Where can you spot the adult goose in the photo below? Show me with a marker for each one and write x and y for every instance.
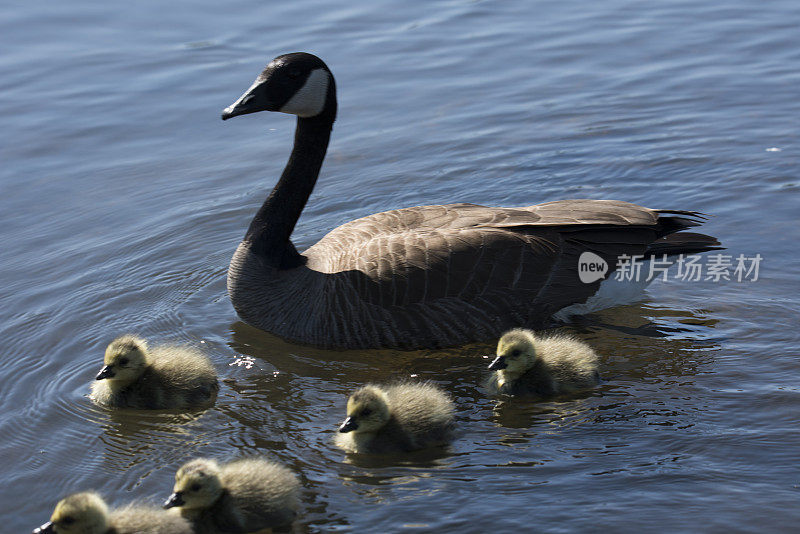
(426, 276)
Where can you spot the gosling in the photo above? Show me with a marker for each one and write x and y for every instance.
(135, 376)
(245, 495)
(399, 418)
(87, 513)
(542, 366)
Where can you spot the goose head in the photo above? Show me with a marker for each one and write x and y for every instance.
(367, 411)
(80, 513)
(298, 83)
(125, 360)
(516, 353)
(197, 485)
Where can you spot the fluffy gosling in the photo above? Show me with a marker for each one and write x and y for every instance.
(398, 418)
(87, 513)
(135, 376)
(245, 495)
(542, 366)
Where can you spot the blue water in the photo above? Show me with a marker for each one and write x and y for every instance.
(124, 195)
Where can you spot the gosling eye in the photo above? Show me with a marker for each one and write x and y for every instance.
(123, 361)
(195, 487)
(68, 520)
(366, 412)
(516, 353)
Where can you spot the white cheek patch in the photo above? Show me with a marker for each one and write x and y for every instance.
(310, 99)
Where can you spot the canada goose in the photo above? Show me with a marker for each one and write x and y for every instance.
(398, 418)
(531, 365)
(426, 276)
(245, 495)
(166, 376)
(87, 513)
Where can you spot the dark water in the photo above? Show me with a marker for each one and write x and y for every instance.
(124, 196)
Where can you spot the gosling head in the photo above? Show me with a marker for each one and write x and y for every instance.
(125, 360)
(197, 485)
(516, 353)
(298, 83)
(80, 513)
(367, 411)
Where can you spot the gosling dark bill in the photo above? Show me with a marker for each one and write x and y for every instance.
(348, 426)
(47, 528)
(105, 372)
(174, 500)
(498, 363)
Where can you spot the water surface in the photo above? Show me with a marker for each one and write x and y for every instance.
(124, 196)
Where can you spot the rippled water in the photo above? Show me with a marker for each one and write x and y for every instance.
(124, 196)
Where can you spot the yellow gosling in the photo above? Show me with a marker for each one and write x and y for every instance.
(245, 495)
(530, 365)
(402, 417)
(87, 513)
(167, 376)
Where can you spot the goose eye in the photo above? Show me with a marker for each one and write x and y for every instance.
(366, 413)
(293, 74)
(124, 361)
(195, 487)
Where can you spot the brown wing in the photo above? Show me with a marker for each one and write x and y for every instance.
(466, 271)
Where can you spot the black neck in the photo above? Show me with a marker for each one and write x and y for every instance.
(273, 224)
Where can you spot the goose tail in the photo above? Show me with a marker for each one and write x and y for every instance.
(683, 243)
